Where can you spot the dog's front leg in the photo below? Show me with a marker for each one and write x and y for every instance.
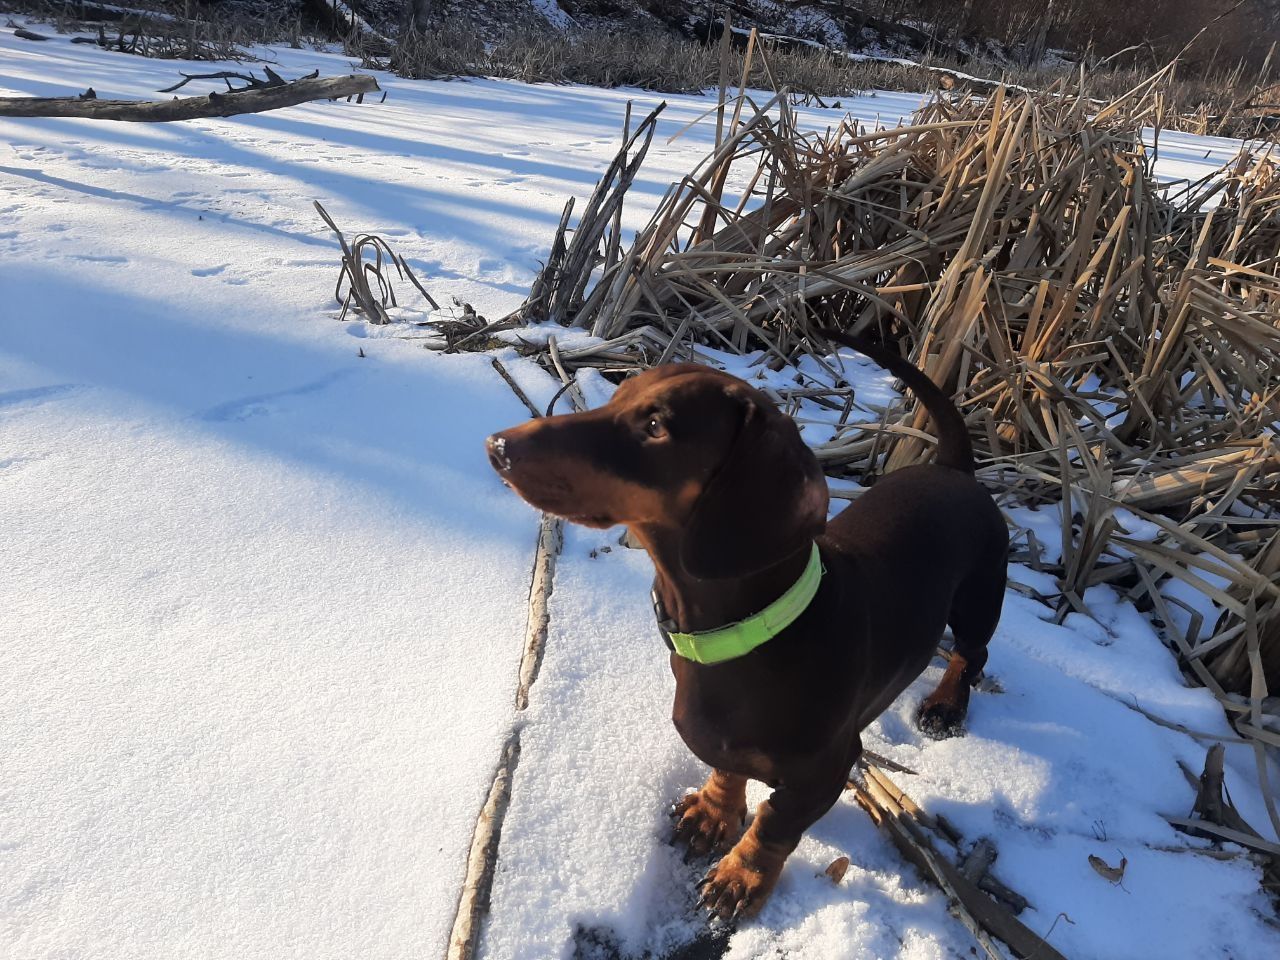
(710, 819)
(741, 882)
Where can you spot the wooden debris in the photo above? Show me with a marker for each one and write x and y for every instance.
(1215, 817)
(234, 103)
(482, 857)
(910, 829)
(482, 860)
(978, 860)
(250, 82)
(550, 541)
(1015, 901)
(515, 387)
(1211, 804)
(1244, 838)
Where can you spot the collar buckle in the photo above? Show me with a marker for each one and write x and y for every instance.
(666, 626)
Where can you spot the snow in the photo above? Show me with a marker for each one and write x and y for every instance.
(264, 599)
(232, 623)
(553, 14)
(1184, 158)
(1050, 765)
(354, 20)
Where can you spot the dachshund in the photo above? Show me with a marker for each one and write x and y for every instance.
(794, 632)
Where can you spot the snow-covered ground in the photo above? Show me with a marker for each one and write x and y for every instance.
(262, 600)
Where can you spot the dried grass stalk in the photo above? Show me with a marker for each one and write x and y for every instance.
(1112, 343)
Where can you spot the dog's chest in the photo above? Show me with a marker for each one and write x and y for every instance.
(723, 754)
(725, 739)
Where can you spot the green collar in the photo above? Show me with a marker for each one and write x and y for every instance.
(739, 639)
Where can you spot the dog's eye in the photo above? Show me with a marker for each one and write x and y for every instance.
(655, 428)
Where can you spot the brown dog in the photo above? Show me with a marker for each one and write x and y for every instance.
(717, 485)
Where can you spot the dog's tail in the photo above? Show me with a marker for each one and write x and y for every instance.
(954, 448)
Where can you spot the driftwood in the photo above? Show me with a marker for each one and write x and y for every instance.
(482, 857)
(482, 860)
(253, 100)
(910, 827)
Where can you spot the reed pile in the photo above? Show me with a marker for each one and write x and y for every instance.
(1113, 343)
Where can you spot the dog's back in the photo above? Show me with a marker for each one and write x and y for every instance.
(922, 548)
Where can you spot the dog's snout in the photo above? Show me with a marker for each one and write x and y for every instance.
(497, 447)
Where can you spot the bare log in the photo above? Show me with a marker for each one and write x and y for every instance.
(191, 108)
(482, 861)
(482, 857)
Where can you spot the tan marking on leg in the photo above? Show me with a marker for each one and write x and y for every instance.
(741, 882)
(709, 819)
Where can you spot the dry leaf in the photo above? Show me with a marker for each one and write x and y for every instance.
(837, 869)
(1113, 874)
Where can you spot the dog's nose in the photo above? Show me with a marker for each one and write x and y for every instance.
(497, 447)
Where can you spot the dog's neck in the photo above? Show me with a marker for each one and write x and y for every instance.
(698, 605)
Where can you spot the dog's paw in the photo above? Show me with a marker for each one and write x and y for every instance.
(940, 720)
(705, 826)
(736, 887)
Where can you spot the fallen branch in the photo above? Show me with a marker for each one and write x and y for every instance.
(482, 856)
(482, 860)
(252, 100)
(550, 542)
(251, 82)
(985, 918)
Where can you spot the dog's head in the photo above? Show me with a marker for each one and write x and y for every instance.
(682, 448)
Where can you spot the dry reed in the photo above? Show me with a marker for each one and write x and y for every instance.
(1113, 343)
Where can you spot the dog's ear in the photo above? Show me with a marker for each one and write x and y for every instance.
(767, 499)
